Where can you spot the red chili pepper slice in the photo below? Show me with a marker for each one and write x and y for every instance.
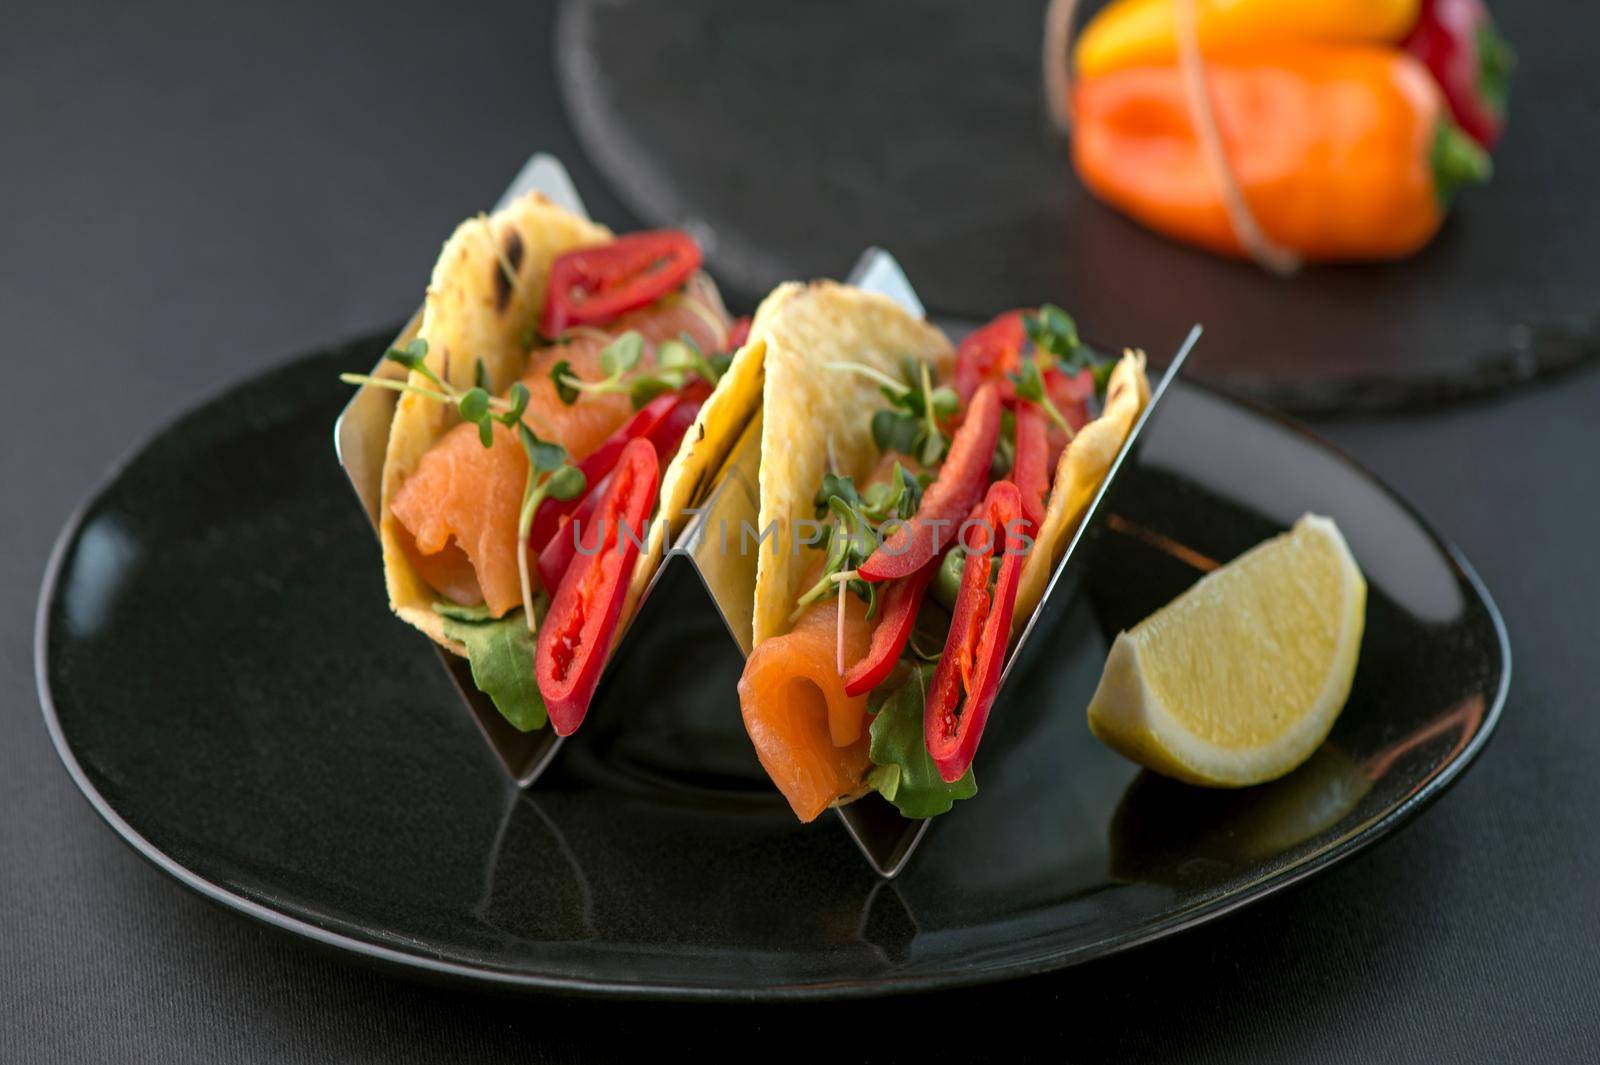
(595, 285)
(647, 421)
(949, 498)
(739, 333)
(990, 354)
(975, 649)
(1030, 471)
(557, 554)
(576, 635)
(901, 601)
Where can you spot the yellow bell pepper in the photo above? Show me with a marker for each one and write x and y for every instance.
(1130, 33)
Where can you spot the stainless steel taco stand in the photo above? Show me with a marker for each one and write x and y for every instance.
(725, 574)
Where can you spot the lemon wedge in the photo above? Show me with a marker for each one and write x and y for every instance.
(1239, 679)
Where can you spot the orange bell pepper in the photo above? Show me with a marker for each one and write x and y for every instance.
(1129, 33)
(1341, 152)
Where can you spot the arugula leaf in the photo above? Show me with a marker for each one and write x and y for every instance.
(905, 773)
(501, 652)
(647, 387)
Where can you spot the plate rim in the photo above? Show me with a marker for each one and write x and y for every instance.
(495, 978)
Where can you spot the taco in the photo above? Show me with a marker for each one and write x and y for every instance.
(562, 380)
(914, 500)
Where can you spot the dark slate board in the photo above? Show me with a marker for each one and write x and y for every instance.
(795, 135)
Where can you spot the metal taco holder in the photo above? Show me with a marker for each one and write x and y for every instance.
(885, 837)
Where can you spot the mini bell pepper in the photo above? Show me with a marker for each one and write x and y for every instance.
(1472, 63)
(917, 542)
(1341, 152)
(968, 675)
(1131, 33)
(577, 633)
(595, 285)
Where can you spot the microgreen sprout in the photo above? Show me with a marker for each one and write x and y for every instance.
(910, 424)
(1030, 386)
(676, 361)
(474, 404)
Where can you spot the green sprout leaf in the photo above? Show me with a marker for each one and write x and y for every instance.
(567, 482)
(560, 375)
(519, 405)
(647, 387)
(834, 486)
(542, 454)
(894, 430)
(622, 354)
(1055, 334)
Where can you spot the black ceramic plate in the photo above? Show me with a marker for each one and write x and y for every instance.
(223, 681)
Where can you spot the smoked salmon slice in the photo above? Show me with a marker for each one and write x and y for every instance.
(811, 737)
(458, 512)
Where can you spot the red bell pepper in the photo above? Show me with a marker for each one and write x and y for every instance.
(916, 543)
(595, 285)
(739, 333)
(1456, 40)
(1029, 469)
(577, 632)
(991, 354)
(975, 649)
(655, 420)
(901, 601)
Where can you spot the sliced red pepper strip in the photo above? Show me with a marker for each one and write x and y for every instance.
(739, 333)
(980, 628)
(647, 421)
(563, 546)
(557, 555)
(991, 354)
(595, 285)
(901, 601)
(949, 498)
(576, 635)
(1030, 471)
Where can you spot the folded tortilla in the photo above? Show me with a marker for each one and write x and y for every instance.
(474, 312)
(813, 416)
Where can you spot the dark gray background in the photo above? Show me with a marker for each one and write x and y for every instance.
(194, 194)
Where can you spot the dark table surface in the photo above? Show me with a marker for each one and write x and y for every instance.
(193, 195)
